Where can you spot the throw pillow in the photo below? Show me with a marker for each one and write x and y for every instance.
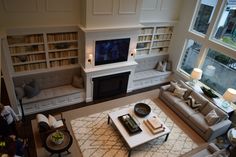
(31, 89)
(169, 66)
(161, 66)
(212, 117)
(51, 120)
(191, 102)
(19, 92)
(179, 92)
(77, 82)
(43, 123)
(172, 86)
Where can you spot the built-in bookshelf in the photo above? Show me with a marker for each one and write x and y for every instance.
(154, 40)
(62, 49)
(43, 51)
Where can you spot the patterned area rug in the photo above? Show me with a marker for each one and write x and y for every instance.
(98, 139)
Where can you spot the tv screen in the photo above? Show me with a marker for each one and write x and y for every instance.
(111, 51)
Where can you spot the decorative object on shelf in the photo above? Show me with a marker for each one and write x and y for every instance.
(209, 92)
(57, 137)
(142, 109)
(62, 46)
(130, 125)
(229, 96)
(22, 58)
(196, 75)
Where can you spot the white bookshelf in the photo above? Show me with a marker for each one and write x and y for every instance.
(31, 53)
(154, 40)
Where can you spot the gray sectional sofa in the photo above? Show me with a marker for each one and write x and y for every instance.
(196, 119)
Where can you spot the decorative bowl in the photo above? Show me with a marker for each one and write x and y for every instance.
(142, 109)
(57, 137)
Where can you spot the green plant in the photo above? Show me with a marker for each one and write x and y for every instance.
(57, 136)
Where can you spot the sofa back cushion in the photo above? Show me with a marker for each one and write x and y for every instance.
(148, 63)
(48, 79)
(210, 106)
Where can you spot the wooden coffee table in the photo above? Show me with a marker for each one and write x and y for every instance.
(140, 138)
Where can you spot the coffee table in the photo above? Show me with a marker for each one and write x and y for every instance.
(138, 139)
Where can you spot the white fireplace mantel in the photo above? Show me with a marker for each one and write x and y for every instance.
(104, 70)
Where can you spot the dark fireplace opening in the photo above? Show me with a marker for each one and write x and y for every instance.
(110, 85)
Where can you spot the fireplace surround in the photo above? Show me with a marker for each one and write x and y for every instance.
(110, 85)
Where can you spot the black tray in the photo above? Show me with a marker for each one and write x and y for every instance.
(130, 125)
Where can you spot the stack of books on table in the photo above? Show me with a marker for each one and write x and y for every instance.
(154, 125)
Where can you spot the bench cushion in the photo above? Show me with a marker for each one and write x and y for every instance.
(53, 93)
(148, 74)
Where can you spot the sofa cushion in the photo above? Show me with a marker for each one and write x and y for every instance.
(53, 93)
(198, 120)
(184, 109)
(170, 97)
(212, 117)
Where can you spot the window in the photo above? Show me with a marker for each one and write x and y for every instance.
(226, 29)
(219, 71)
(204, 15)
(189, 58)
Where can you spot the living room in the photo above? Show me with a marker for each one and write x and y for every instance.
(64, 52)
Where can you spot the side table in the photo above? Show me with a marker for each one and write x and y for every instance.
(59, 148)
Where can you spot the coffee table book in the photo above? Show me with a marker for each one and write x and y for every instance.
(154, 122)
(154, 131)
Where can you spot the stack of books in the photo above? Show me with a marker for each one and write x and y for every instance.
(154, 125)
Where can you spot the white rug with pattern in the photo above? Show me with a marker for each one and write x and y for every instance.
(98, 139)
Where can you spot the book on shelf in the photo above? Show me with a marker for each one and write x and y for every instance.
(154, 131)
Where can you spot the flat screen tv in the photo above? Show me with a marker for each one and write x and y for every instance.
(111, 51)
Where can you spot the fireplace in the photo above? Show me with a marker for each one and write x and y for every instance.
(110, 85)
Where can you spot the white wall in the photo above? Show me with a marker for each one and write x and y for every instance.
(27, 13)
(160, 10)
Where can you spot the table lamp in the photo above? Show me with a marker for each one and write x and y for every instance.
(196, 75)
(229, 96)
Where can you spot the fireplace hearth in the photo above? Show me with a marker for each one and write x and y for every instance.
(110, 85)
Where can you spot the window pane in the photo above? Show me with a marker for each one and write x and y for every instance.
(219, 71)
(190, 56)
(204, 15)
(226, 29)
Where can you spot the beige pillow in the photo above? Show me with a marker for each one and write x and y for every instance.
(161, 66)
(212, 117)
(78, 82)
(179, 92)
(52, 120)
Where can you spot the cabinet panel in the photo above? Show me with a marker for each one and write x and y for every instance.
(127, 6)
(100, 9)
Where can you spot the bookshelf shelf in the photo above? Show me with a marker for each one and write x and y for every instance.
(31, 53)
